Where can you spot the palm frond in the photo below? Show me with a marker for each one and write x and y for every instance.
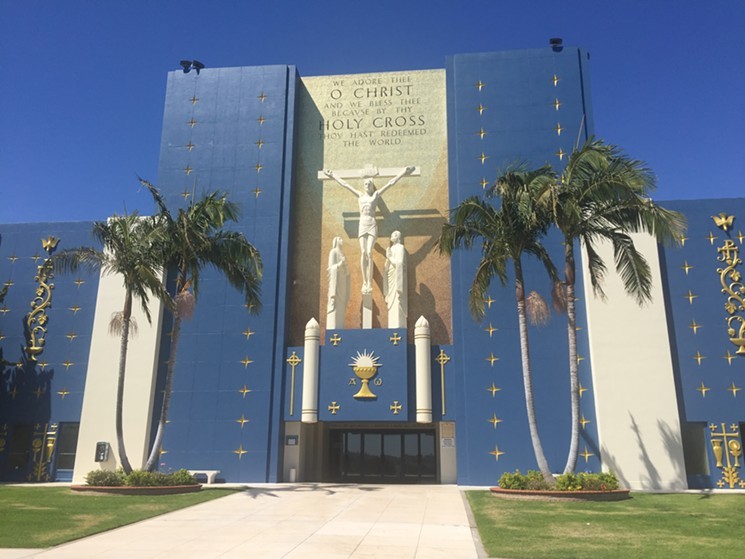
(633, 268)
(116, 324)
(537, 309)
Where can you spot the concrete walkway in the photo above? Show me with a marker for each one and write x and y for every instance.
(305, 521)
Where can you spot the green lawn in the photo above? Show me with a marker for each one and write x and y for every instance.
(46, 516)
(647, 526)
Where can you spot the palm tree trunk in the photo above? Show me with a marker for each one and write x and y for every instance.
(569, 279)
(154, 458)
(527, 377)
(126, 317)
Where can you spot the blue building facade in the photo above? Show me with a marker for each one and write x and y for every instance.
(274, 395)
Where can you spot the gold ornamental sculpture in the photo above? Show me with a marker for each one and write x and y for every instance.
(732, 286)
(727, 449)
(365, 367)
(37, 318)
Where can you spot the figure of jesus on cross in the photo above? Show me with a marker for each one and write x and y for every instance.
(368, 202)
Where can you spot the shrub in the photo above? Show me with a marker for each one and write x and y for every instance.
(182, 477)
(604, 481)
(105, 478)
(533, 480)
(141, 478)
(513, 481)
(568, 482)
(160, 478)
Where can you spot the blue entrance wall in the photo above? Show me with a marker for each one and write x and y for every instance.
(230, 129)
(709, 373)
(505, 108)
(50, 390)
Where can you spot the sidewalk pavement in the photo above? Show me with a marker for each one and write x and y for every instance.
(305, 520)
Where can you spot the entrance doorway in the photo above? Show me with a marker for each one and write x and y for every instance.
(385, 456)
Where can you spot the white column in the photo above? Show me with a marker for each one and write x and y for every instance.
(309, 410)
(633, 375)
(422, 345)
(97, 419)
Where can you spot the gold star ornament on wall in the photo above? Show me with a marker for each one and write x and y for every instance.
(496, 453)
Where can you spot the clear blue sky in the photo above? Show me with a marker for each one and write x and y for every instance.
(82, 83)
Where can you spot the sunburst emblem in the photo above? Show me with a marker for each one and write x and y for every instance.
(365, 366)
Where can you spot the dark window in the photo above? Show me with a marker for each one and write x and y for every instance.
(67, 443)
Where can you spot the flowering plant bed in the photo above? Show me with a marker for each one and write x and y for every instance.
(147, 490)
(538, 494)
(139, 482)
(584, 486)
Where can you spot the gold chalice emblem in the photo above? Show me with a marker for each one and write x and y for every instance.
(365, 366)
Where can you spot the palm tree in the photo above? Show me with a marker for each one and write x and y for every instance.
(129, 244)
(505, 234)
(603, 195)
(192, 240)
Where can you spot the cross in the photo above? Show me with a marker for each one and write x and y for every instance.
(729, 357)
(245, 390)
(64, 392)
(395, 407)
(727, 250)
(239, 451)
(333, 408)
(368, 171)
(395, 338)
(493, 389)
(734, 389)
(242, 420)
(294, 361)
(494, 420)
(442, 358)
(584, 421)
(335, 339)
(703, 389)
(586, 455)
(246, 362)
(496, 453)
(491, 359)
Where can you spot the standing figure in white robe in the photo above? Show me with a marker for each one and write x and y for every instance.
(395, 283)
(338, 286)
(368, 230)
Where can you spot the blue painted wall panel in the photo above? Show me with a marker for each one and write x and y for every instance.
(49, 390)
(229, 129)
(502, 110)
